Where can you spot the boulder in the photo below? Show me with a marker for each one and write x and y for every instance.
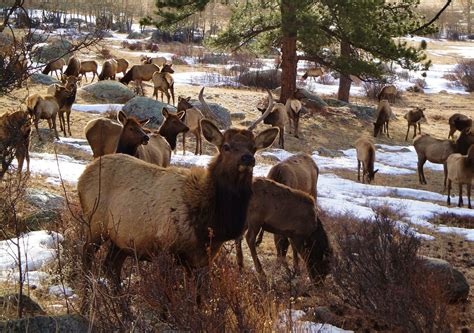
(109, 92)
(58, 48)
(44, 199)
(360, 111)
(136, 35)
(311, 102)
(47, 324)
(452, 280)
(329, 152)
(237, 115)
(44, 79)
(147, 108)
(9, 306)
(219, 113)
(267, 79)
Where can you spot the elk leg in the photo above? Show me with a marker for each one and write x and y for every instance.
(20, 157)
(281, 244)
(408, 130)
(49, 124)
(168, 96)
(449, 192)
(460, 203)
(282, 138)
(184, 143)
(68, 115)
(445, 169)
(358, 170)
(155, 93)
(113, 265)
(55, 129)
(469, 195)
(63, 121)
(250, 238)
(419, 128)
(88, 253)
(421, 174)
(296, 258)
(37, 130)
(388, 134)
(196, 151)
(296, 122)
(238, 252)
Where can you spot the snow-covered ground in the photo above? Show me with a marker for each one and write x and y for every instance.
(299, 325)
(96, 108)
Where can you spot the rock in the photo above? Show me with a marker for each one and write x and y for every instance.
(47, 324)
(237, 115)
(329, 152)
(269, 78)
(405, 150)
(323, 314)
(58, 48)
(43, 79)
(106, 34)
(44, 199)
(109, 92)
(361, 112)
(38, 219)
(9, 305)
(219, 113)
(147, 108)
(136, 35)
(452, 280)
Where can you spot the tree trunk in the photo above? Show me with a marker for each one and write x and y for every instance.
(345, 80)
(288, 49)
(468, 16)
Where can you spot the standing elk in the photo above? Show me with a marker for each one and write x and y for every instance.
(458, 122)
(159, 61)
(415, 117)
(384, 113)
(54, 66)
(313, 73)
(366, 156)
(109, 70)
(89, 66)
(73, 67)
(465, 140)
(388, 92)
(71, 85)
(293, 110)
(15, 129)
(122, 65)
(172, 126)
(461, 170)
(277, 118)
(163, 81)
(192, 119)
(143, 209)
(140, 73)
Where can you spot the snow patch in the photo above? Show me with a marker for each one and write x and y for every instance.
(96, 108)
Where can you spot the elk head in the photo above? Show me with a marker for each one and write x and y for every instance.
(167, 68)
(132, 135)
(183, 103)
(172, 126)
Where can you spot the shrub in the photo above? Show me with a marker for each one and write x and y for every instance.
(373, 88)
(214, 59)
(464, 74)
(177, 60)
(266, 79)
(105, 53)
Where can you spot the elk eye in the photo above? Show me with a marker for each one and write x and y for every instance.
(226, 147)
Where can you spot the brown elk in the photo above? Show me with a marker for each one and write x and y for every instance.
(89, 66)
(313, 72)
(54, 66)
(163, 81)
(172, 126)
(73, 67)
(159, 61)
(388, 92)
(140, 73)
(366, 156)
(293, 110)
(109, 70)
(192, 119)
(384, 113)
(465, 140)
(122, 65)
(189, 213)
(15, 129)
(289, 213)
(458, 122)
(415, 117)
(71, 85)
(461, 170)
(434, 150)
(277, 118)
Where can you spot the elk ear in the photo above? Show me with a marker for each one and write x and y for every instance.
(165, 112)
(211, 132)
(144, 122)
(265, 139)
(181, 114)
(188, 99)
(122, 117)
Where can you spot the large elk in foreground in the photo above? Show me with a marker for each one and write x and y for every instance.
(163, 81)
(15, 129)
(384, 112)
(461, 170)
(143, 209)
(415, 117)
(366, 157)
(458, 122)
(290, 213)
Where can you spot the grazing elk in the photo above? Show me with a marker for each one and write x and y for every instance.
(122, 65)
(314, 73)
(89, 66)
(366, 156)
(293, 110)
(192, 119)
(109, 70)
(15, 129)
(289, 213)
(189, 213)
(159, 61)
(461, 170)
(434, 150)
(277, 118)
(458, 122)
(54, 66)
(163, 81)
(140, 73)
(415, 117)
(388, 92)
(384, 112)
(73, 67)
(71, 85)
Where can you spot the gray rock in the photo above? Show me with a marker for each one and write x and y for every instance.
(220, 113)
(269, 78)
(43, 79)
(44, 199)
(147, 108)
(58, 48)
(452, 280)
(9, 305)
(137, 35)
(329, 152)
(109, 91)
(237, 115)
(405, 150)
(106, 34)
(361, 112)
(47, 324)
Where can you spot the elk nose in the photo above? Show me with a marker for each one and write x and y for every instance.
(186, 129)
(146, 138)
(248, 160)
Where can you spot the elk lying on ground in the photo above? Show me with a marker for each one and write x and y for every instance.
(461, 171)
(458, 122)
(277, 118)
(140, 73)
(71, 85)
(415, 117)
(293, 110)
(109, 70)
(122, 65)
(15, 129)
(313, 72)
(192, 119)
(73, 67)
(89, 66)
(384, 112)
(289, 213)
(299, 172)
(163, 81)
(366, 156)
(388, 92)
(159, 61)
(434, 150)
(47, 107)
(190, 213)
(54, 66)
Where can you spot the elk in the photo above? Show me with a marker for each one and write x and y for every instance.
(163, 81)
(73, 67)
(89, 66)
(465, 140)
(366, 156)
(313, 72)
(277, 118)
(192, 119)
(122, 65)
(71, 85)
(415, 117)
(387, 92)
(384, 112)
(54, 66)
(172, 126)
(142, 208)
(109, 70)
(291, 214)
(15, 129)
(461, 170)
(159, 61)
(140, 73)
(293, 110)
(458, 122)
(434, 150)
(47, 107)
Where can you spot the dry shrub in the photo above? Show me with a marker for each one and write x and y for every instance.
(453, 220)
(326, 79)
(379, 273)
(265, 79)
(420, 83)
(105, 53)
(177, 60)
(464, 74)
(373, 88)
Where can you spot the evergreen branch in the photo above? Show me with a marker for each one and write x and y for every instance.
(426, 25)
